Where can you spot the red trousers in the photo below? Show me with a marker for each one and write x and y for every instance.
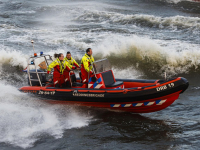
(58, 79)
(67, 75)
(84, 75)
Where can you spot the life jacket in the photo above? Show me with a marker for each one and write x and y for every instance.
(72, 62)
(60, 66)
(86, 62)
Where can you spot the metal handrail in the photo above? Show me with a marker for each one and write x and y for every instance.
(28, 68)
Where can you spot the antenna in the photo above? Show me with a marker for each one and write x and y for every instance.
(33, 45)
(35, 54)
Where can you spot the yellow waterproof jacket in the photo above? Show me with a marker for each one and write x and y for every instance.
(86, 61)
(72, 62)
(59, 65)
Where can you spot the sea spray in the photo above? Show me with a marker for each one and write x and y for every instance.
(24, 119)
(147, 55)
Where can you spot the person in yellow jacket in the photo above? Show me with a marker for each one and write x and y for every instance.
(60, 67)
(87, 65)
(72, 62)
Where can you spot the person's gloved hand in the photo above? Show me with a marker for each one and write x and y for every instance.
(48, 72)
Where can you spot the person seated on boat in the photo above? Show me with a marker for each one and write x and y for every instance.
(87, 65)
(72, 61)
(59, 66)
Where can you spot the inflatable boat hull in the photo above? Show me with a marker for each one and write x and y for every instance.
(154, 96)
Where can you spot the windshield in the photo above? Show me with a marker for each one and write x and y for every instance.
(102, 65)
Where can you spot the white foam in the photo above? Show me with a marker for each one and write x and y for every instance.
(12, 57)
(178, 1)
(174, 1)
(128, 73)
(173, 56)
(23, 120)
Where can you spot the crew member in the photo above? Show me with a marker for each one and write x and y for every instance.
(59, 66)
(87, 65)
(72, 64)
(71, 61)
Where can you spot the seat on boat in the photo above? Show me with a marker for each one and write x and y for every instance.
(117, 83)
(73, 81)
(109, 79)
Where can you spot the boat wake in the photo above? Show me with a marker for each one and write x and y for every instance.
(24, 120)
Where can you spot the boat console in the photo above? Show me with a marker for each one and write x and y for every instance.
(105, 80)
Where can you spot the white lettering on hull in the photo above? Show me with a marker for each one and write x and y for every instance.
(164, 87)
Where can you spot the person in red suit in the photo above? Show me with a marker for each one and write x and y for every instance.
(87, 65)
(71, 61)
(72, 64)
(59, 65)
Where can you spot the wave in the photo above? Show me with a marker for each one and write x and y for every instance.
(12, 57)
(178, 1)
(128, 73)
(24, 120)
(148, 56)
(191, 6)
(174, 22)
(12, 63)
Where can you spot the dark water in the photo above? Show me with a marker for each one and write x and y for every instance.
(141, 39)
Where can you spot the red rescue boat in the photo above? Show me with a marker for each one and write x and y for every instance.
(104, 91)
